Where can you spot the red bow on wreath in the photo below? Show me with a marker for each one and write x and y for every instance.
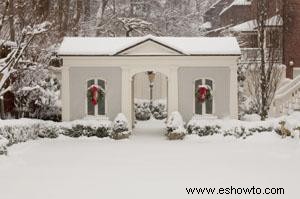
(94, 91)
(203, 93)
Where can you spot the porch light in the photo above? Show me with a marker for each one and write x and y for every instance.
(291, 63)
(151, 77)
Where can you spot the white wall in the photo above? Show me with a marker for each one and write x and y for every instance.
(132, 65)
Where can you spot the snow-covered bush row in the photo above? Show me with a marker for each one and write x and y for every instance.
(175, 127)
(88, 128)
(120, 127)
(143, 111)
(285, 126)
(22, 130)
(16, 131)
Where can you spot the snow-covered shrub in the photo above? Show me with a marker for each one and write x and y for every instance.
(175, 127)
(283, 131)
(297, 132)
(203, 130)
(16, 131)
(120, 127)
(227, 127)
(89, 128)
(142, 110)
(251, 117)
(3, 144)
(159, 109)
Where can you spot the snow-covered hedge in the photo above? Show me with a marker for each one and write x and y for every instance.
(175, 127)
(143, 112)
(88, 128)
(16, 131)
(120, 127)
(22, 130)
(243, 129)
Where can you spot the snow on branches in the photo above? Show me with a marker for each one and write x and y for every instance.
(8, 66)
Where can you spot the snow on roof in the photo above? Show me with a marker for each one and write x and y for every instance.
(236, 3)
(252, 24)
(184, 45)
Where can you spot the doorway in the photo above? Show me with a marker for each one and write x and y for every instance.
(149, 99)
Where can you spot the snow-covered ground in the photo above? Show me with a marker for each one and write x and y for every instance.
(149, 166)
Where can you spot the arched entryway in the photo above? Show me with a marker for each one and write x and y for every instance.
(149, 99)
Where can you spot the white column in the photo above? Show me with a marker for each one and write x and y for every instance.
(126, 94)
(173, 91)
(233, 92)
(66, 93)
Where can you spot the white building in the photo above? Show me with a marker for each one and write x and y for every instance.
(112, 63)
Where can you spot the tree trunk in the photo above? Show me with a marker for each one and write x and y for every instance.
(65, 26)
(5, 10)
(2, 108)
(87, 9)
(11, 21)
(262, 10)
(20, 13)
(79, 8)
(60, 15)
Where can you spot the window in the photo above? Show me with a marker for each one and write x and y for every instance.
(249, 40)
(205, 108)
(99, 108)
(273, 38)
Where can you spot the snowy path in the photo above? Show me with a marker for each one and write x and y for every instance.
(153, 130)
(148, 166)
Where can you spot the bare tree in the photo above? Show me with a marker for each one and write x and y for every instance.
(266, 71)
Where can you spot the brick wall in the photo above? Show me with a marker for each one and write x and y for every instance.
(291, 46)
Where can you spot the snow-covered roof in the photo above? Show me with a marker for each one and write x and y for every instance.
(236, 3)
(109, 46)
(252, 24)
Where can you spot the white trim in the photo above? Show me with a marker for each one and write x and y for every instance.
(96, 107)
(65, 93)
(233, 97)
(204, 104)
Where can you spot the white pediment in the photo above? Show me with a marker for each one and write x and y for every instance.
(149, 47)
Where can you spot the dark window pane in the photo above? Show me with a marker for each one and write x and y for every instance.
(198, 105)
(209, 103)
(101, 103)
(90, 106)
